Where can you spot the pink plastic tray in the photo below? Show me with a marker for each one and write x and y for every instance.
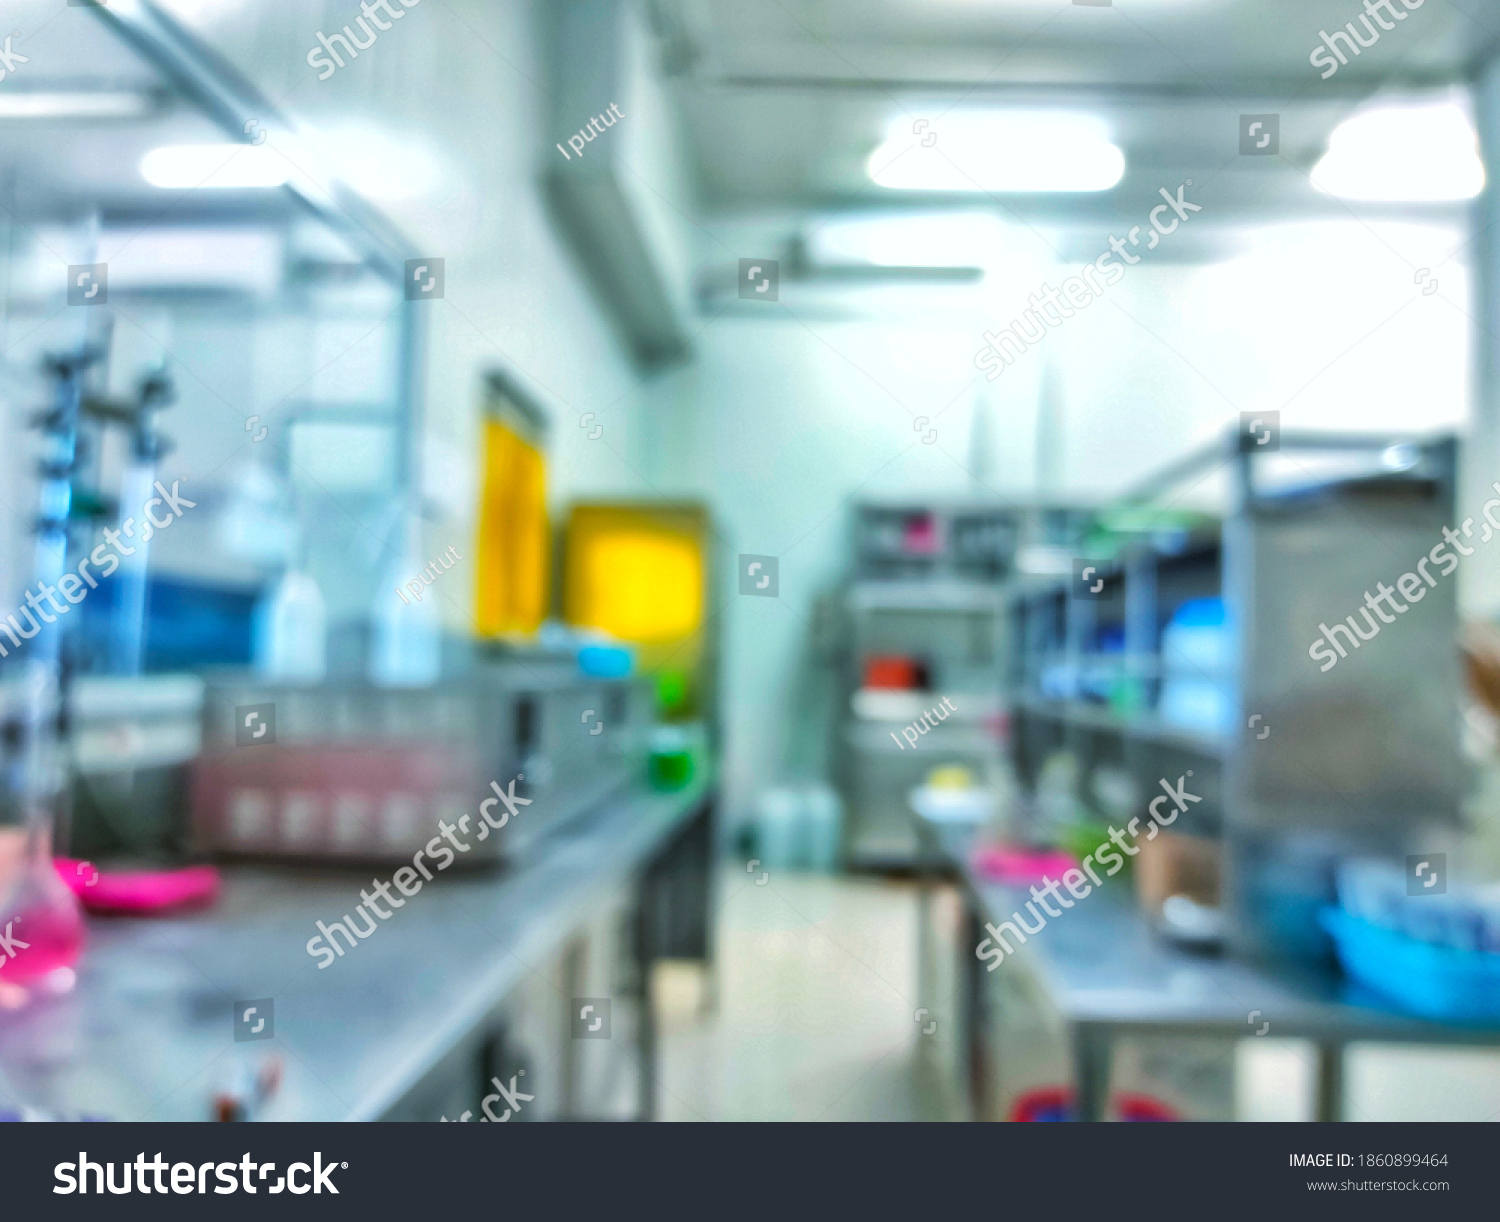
(1010, 865)
(142, 891)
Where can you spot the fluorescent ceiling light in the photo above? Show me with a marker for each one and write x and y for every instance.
(1414, 154)
(375, 165)
(906, 239)
(193, 10)
(74, 105)
(185, 166)
(998, 151)
(997, 7)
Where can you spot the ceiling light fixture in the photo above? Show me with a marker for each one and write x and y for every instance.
(39, 104)
(375, 164)
(956, 238)
(1406, 154)
(194, 10)
(217, 166)
(998, 151)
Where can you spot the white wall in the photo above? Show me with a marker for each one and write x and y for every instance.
(811, 402)
(463, 88)
(791, 423)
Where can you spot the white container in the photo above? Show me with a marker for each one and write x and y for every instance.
(1203, 705)
(776, 829)
(407, 647)
(822, 828)
(291, 632)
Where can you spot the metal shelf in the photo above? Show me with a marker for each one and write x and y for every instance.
(899, 707)
(872, 738)
(1144, 727)
(929, 595)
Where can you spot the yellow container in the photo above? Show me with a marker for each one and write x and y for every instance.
(639, 572)
(511, 552)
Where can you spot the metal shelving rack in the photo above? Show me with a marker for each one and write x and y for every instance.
(1362, 759)
(925, 582)
(1059, 676)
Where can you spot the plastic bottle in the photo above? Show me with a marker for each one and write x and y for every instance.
(776, 830)
(291, 631)
(407, 649)
(822, 813)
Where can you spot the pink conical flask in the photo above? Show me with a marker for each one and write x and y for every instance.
(41, 922)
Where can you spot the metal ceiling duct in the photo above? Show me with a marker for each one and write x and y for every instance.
(608, 205)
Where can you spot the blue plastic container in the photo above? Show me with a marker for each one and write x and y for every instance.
(1434, 981)
(605, 661)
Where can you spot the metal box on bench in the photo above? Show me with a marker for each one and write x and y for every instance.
(359, 773)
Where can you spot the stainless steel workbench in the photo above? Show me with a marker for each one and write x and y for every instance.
(147, 1033)
(1106, 973)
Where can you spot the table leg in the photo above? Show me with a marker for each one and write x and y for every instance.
(926, 969)
(1328, 1103)
(1091, 1070)
(971, 972)
(675, 920)
(646, 1050)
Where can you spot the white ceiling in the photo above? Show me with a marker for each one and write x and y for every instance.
(785, 99)
(53, 167)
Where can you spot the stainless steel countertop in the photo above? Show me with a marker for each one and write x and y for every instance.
(1100, 963)
(147, 1034)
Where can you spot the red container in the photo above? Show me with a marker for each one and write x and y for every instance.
(893, 671)
(1054, 1103)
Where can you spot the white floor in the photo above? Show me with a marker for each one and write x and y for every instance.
(815, 1019)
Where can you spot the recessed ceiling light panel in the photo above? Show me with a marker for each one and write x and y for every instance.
(998, 151)
(1409, 154)
(215, 166)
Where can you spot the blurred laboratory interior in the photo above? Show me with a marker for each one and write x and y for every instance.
(645, 559)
